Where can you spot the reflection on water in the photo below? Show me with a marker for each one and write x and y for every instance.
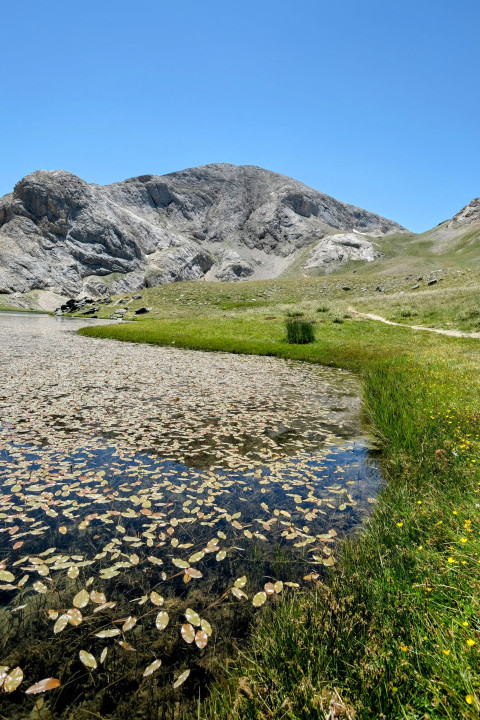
(150, 500)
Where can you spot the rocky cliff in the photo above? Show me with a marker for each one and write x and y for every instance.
(216, 222)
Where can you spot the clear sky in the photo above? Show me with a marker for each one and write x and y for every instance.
(376, 103)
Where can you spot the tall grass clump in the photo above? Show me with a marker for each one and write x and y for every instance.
(299, 332)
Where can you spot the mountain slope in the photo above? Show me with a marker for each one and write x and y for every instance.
(222, 222)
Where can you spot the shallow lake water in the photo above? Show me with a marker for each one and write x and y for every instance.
(152, 500)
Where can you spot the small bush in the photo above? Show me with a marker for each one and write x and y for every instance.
(299, 332)
(295, 314)
(323, 309)
(338, 320)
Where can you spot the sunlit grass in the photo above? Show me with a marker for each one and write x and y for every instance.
(396, 632)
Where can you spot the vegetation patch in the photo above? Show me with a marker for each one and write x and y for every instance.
(299, 332)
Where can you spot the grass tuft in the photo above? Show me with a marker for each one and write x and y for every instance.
(299, 332)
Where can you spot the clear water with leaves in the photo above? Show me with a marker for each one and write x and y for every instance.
(151, 499)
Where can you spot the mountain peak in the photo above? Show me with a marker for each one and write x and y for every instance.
(214, 222)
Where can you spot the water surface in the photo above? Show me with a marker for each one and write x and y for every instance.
(208, 479)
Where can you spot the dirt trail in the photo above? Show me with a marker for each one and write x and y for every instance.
(451, 333)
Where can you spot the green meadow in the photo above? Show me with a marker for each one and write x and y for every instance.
(394, 631)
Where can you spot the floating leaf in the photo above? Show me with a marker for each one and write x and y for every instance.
(239, 593)
(161, 620)
(126, 645)
(73, 572)
(259, 598)
(221, 555)
(188, 633)
(181, 679)
(81, 599)
(108, 573)
(74, 617)
(87, 659)
(328, 562)
(129, 623)
(155, 598)
(278, 586)
(241, 582)
(193, 573)
(13, 680)
(269, 588)
(105, 606)
(196, 557)
(192, 616)
(178, 562)
(108, 633)
(151, 668)
(103, 655)
(201, 639)
(61, 624)
(6, 576)
(206, 627)
(43, 686)
(291, 584)
(97, 597)
(155, 560)
(39, 587)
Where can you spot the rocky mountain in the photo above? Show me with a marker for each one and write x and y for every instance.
(459, 235)
(216, 222)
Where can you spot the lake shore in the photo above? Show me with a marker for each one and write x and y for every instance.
(396, 633)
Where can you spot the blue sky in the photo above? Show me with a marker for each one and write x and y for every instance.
(373, 102)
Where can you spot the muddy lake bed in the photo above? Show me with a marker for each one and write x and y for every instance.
(152, 500)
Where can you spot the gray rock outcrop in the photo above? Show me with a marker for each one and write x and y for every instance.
(216, 222)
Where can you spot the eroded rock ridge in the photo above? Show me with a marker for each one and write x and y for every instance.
(216, 222)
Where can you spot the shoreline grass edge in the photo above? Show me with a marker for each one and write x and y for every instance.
(395, 631)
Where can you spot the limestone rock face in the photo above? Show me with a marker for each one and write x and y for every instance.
(469, 215)
(218, 222)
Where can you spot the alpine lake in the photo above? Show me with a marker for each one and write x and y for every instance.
(152, 501)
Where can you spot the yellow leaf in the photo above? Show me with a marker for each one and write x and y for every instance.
(196, 557)
(129, 623)
(259, 598)
(206, 627)
(178, 562)
(87, 659)
(239, 594)
(181, 679)
(162, 620)
(81, 599)
(13, 680)
(61, 624)
(151, 668)
(155, 598)
(108, 633)
(74, 617)
(192, 616)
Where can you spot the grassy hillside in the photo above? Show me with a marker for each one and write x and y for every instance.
(394, 631)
